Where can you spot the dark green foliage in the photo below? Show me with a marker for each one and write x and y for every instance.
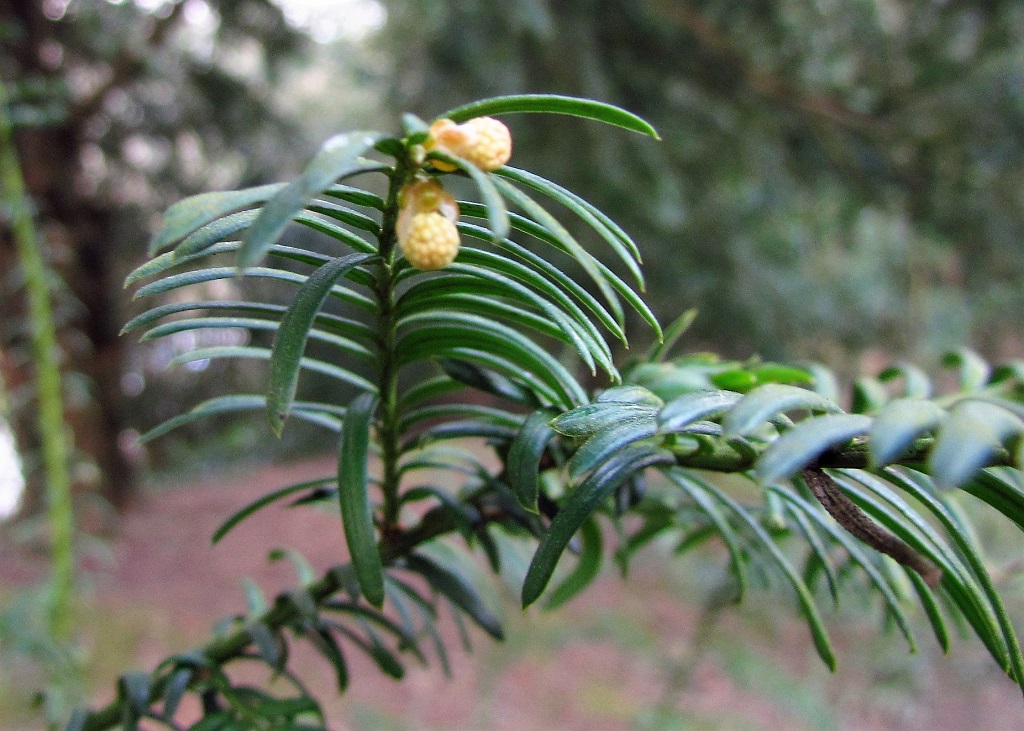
(354, 494)
(467, 352)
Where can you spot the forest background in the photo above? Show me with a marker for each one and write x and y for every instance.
(836, 181)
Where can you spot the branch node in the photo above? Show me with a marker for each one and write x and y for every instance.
(860, 526)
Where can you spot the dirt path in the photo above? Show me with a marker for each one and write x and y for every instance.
(604, 663)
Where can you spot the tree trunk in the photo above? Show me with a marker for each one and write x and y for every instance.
(75, 231)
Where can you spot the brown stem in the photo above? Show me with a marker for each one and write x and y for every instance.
(721, 456)
(860, 526)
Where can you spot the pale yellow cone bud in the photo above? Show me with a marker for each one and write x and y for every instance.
(448, 137)
(491, 143)
(427, 195)
(483, 141)
(423, 196)
(429, 241)
(426, 224)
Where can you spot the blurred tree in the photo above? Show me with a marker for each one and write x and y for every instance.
(121, 107)
(833, 170)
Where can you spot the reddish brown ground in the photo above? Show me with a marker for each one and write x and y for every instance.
(603, 663)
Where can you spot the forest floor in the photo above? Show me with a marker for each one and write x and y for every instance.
(617, 658)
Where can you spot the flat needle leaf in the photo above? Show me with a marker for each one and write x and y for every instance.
(353, 494)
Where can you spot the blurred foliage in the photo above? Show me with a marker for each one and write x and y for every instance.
(120, 108)
(835, 176)
(838, 177)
